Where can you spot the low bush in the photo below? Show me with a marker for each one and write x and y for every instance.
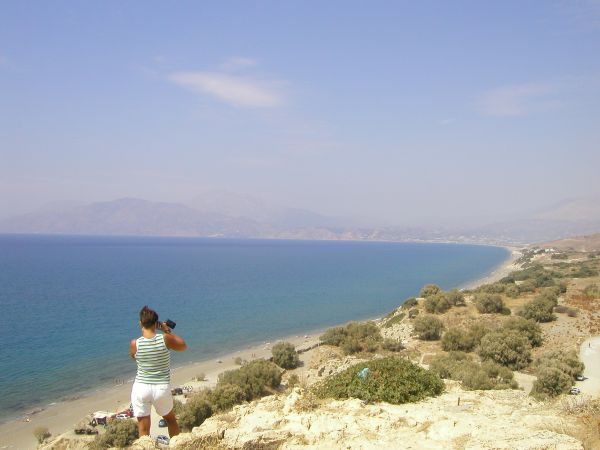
(285, 355)
(392, 380)
(592, 290)
(224, 396)
(428, 328)
(193, 412)
(473, 376)
(457, 339)
(550, 382)
(494, 288)
(539, 309)
(392, 345)
(429, 290)
(437, 303)
(254, 378)
(527, 327)
(456, 297)
(354, 337)
(413, 313)
(506, 347)
(585, 271)
(512, 291)
(409, 303)
(526, 287)
(567, 362)
(120, 434)
(41, 434)
(489, 303)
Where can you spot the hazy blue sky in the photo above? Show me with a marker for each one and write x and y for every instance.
(385, 110)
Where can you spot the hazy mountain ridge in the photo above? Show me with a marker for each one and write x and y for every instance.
(232, 215)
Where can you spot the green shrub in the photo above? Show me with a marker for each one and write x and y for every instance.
(354, 337)
(41, 434)
(392, 380)
(391, 345)
(428, 328)
(120, 434)
(456, 297)
(254, 378)
(224, 396)
(592, 290)
(550, 383)
(429, 290)
(539, 310)
(526, 287)
(585, 271)
(559, 256)
(194, 412)
(293, 380)
(457, 339)
(394, 320)
(285, 355)
(473, 376)
(489, 303)
(527, 327)
(494, 288)
(512, 291)
(478, 331)
(506, 347)
(437, 303)
(567, 362)
(409, 303)
(413, 313)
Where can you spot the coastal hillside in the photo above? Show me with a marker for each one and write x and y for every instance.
(494, 367)
(589, 243)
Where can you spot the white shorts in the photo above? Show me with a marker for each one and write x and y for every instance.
(143, 396)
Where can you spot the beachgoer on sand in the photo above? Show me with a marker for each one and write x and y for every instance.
(153, 378)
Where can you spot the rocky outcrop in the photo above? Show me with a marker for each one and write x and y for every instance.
(457, 419)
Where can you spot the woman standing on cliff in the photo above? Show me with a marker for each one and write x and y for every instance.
(152, 386)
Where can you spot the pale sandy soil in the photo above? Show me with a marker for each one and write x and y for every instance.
(63, 417)
(590, 356)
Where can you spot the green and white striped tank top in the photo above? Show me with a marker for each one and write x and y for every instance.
(153, 360)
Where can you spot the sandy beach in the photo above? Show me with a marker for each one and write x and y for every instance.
(62, 417)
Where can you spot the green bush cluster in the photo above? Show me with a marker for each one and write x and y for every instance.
(429, 289)
(285, 355)
(391, 345)
(507, 347)
(458, 339)
(556, 371)
(490, 304)
(541, 307)
(460, 366)
(354, 337)
(592, 290)
(528, 328)
(428, 327)
(409, 303)
(252, 380)
(437, 303)
(119, 434)
(392, 380)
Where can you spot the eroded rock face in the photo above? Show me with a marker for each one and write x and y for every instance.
(482, 420)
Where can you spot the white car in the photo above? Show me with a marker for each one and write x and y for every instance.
(121, 416)
(575, 390)
(579, 377)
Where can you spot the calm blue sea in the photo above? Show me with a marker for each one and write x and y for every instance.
(69, 304)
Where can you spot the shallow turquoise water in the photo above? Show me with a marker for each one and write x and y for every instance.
(71, 303)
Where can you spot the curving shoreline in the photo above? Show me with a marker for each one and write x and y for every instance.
(62, 416)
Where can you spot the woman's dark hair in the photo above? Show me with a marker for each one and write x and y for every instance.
(148, 317)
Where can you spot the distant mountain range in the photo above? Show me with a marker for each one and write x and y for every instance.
(222, 214)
